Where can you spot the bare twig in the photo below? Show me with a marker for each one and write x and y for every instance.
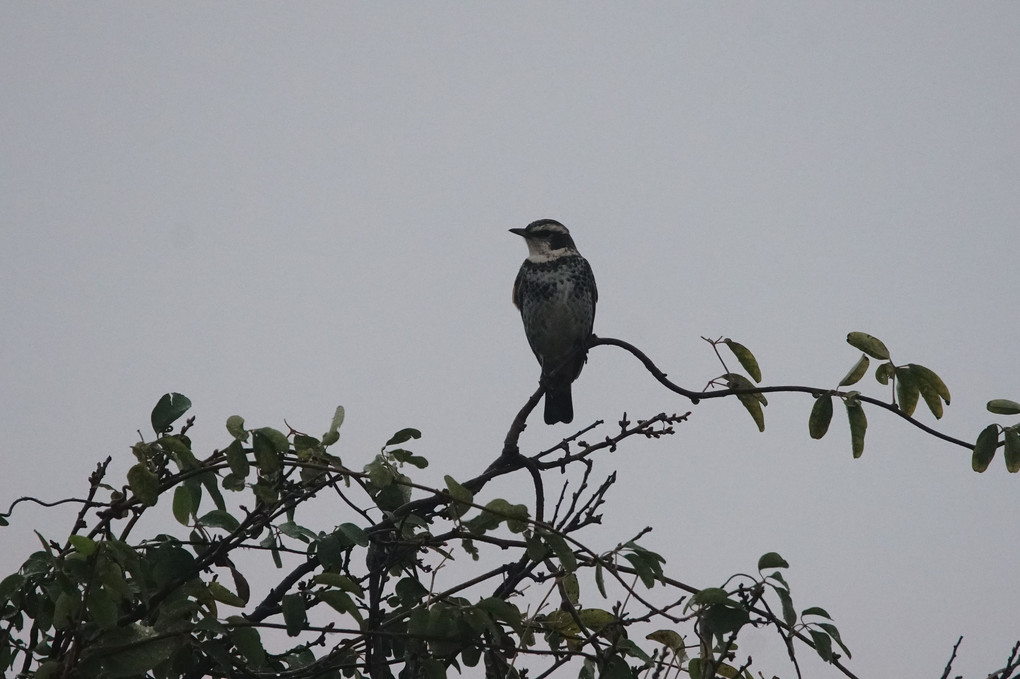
(949, 663)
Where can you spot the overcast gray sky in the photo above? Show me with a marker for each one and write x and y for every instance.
(275, 209)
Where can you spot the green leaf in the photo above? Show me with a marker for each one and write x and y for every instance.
(219, 518)
(407, 457)
(931, 399)
(502, 610)
(984, 448)
(294, 614)
(600, 579)
(249, 643)
(179, 449)
(103, 607)
(237, 459)
(331, 549)
(240, 584)
(354, 533)
(722, 620)
(628, 648)
(616, 668)
(536, 549)
(83, 545)
(821, 416)
(182, 505)
(224, 595)
(305, 446)
(563, 553)
(1003, 406)
(856, 372)
(410, 591)
(746, 358)
(934, 382)
(907, 389)
(933, 390)
(823, 644)
(171, 562)
(276, 437)
(340, 582)
(341, 602)
(9, 585)
(209, 481)
(235, 427)
(870, 345)
(789, 614)
(66, 608)
(49, 670)
(771, 560)
(470, 655)
(816, 610)
(122, 554)
(496, 512)
(233, 482)
(884, 372)
(462, 497)
(380, 473)
(730, 672)
(1012, 450)
(168, 410)
(647, 564)
(752, 402)
(571, 588)
(403, 436)
(273, 543)
(834, 634)
(596, 619)
(858, 426)
(144, 484)
(670, 640)
(112, 576)
(333, 434)
(267, 457)
(129, 651)
(298, 532)
(712, 595)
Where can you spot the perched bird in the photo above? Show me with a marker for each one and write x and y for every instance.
(555, 291)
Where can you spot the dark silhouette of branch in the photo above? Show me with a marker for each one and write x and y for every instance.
(1012, 663)
(952, 657)
(698, 396)
(70, 500)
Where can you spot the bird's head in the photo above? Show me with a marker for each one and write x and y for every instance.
(547, 240)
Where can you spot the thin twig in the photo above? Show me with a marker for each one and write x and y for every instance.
(949, 664)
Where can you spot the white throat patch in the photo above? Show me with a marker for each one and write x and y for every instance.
(539, 251)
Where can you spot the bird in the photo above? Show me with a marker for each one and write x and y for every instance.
(556, 294)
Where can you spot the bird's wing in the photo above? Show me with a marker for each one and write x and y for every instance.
(517, 286)
(594, 288)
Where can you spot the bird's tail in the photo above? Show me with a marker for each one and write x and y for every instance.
(559, 407)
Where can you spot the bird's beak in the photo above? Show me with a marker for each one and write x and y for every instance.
(523, 233)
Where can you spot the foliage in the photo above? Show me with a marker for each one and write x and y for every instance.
(396, 578)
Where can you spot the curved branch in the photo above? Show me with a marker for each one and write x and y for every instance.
(697, 396)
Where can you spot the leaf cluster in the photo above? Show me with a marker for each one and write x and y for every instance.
(364, 596)
(398, 578)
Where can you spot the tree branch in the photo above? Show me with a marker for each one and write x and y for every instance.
(697, 396)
